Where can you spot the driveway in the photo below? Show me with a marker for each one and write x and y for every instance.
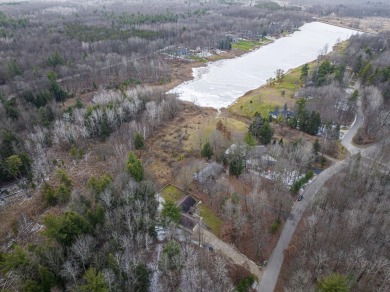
(271, 273)
(359, 120)
(227, 250)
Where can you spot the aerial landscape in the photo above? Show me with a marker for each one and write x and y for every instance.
(195, 145)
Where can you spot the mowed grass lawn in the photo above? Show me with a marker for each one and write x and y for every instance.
(172, 193)
(210, 219)
(268, 98)
(246, 45)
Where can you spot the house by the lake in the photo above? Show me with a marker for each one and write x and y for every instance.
(285, 113)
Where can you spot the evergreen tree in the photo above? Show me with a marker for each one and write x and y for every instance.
(134, 167)
(325, 69)
(316, 147)
(256, 124)
(313, 123)
(139, 141)
(236, 165)
(266, 133)
(333, 283)
(170, 212)
(304, 71)
(354, 95)
(94, 282)
(249, 139)
(207, 150)
(56, 91)
(65, 228)
(142, 275)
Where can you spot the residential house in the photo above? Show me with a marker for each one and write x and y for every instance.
(285, 113)
(211, 170)
(186, 203)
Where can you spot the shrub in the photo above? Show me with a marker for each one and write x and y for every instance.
(299, 183)
(275, 226)
(98, 185)
(245, 284)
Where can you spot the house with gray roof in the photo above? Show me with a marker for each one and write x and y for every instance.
(210, 171)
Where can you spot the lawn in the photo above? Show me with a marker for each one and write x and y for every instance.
(198, 59)
(270, 97)
(246, 45)
(172, 193)
(210, 219)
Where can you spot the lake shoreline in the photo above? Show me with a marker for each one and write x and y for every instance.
(221, 83)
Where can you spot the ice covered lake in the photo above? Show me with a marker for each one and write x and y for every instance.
(220, 83)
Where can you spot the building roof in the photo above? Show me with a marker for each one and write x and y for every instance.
(210, 170)
(186, 203)
(234, 148)
(257, 151)
(284, 112)
(187, 221)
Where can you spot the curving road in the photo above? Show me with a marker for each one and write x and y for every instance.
(271, 273)
(359, 120)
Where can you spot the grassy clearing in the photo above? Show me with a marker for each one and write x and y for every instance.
(270, 97)
(342, 152)
(246, 45)
(210, 219)
(172, 193)
(204, 130)
(198, 59)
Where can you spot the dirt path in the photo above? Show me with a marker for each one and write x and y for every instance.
(228, 251)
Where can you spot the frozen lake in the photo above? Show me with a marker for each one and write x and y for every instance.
(220, 83)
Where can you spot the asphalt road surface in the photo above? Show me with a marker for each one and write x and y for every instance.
(271, 273)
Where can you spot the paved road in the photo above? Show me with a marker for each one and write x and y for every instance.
(275, 262)
(347, 139)
(227, 250)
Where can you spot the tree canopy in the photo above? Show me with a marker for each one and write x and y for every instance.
(134, 167)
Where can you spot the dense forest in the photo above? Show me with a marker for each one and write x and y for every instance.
(120, 41)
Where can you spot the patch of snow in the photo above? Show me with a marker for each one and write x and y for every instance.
(287, 177)
(153, 266)
(204, 54)
(160, 201)
(160, 233)
(37, 227)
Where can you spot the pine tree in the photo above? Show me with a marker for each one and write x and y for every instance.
(333, 283)
(139, 141)
(134, 167)
(266, 133)
(207, 150)
(316, 147)
(304, 71)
